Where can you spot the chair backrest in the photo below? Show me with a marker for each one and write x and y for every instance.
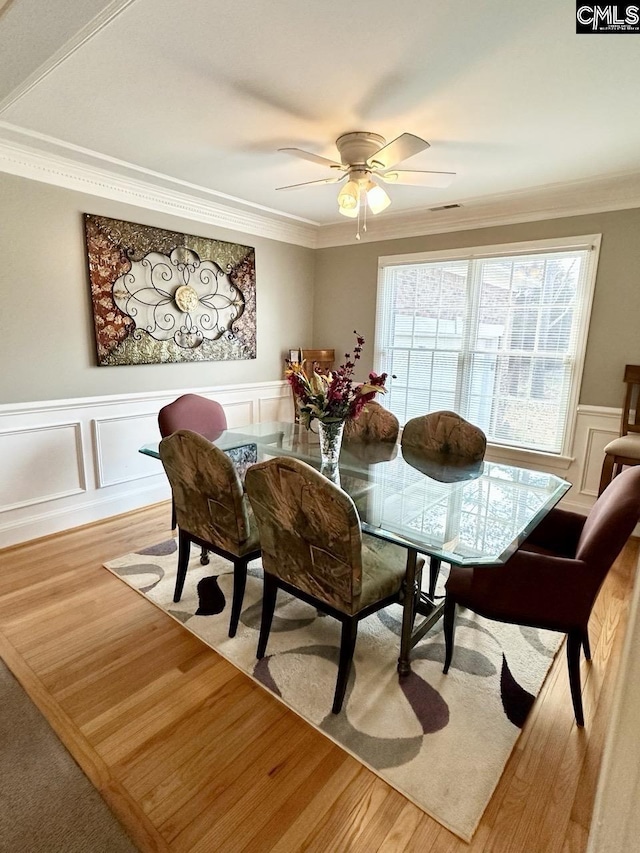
(610, 522)
(309, 530)
(631, 400)
(208, 496)
(195, 413)
(445, 433)
(375, 423)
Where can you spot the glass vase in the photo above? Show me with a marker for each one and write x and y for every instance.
(330, 435)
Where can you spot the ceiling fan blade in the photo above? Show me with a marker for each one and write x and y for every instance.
(401, 148)
(334, 180)
(417, 178)
(313, 158)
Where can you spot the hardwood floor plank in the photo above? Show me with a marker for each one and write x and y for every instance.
(344, 822)
(316, 777)
(286, 789)
(305, 824)
(402, 830)
(231, 808)
(157, 765)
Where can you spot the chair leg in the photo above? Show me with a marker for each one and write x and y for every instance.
(449, 631)
(585, 644)
(184, 549)
(174, 522)
(607, 472)
(268, 606)
(347, 646)
(239, 583)
(574, 642)
(204, 556)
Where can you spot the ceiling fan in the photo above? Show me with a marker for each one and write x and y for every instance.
(365, 159)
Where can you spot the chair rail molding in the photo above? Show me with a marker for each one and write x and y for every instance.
(74, 461)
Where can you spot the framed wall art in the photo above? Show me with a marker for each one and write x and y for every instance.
(160, 296)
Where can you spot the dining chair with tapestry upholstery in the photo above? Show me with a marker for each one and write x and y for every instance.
(624, 450)
(314, 549)
(375, 423)
(199, 414)
(553, 579)
(371, 437)
(212, 509)
(446, 447)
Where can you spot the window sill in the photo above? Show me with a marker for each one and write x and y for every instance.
(528, 458)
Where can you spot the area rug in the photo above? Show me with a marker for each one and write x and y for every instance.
(441, 740)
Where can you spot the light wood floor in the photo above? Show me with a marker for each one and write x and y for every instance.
(193, 756)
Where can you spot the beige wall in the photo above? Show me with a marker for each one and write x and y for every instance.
(346, 281)
(47, 348)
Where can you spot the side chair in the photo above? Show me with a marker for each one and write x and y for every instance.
(375, 423)
(199, 414)
(371, 438)
(624, 450)
(211, 509)
(553, 579)
(446, 447)
(314, 549)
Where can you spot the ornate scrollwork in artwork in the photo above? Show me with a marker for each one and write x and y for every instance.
(179, 297)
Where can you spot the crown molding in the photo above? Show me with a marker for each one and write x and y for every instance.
(40, 158)
(553, 201)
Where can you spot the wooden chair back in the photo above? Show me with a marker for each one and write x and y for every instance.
(631, 411)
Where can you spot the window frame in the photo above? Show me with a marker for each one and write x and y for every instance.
(590, 242)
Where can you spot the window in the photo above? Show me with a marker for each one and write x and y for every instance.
(496, 334)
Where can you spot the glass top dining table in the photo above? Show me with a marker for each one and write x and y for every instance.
(475, 517)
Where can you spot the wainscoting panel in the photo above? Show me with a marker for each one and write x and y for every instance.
(597, 438)
(269, 407)
(51, 452)
(70, 462)
(117, 441)
(239, 413)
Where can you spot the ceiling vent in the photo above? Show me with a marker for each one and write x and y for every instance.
(444, 207)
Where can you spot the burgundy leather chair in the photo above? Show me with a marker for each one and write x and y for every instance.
(198, 414)
(552, 581)
(195, 413)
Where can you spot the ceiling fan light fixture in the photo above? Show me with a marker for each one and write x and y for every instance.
(377, 198)
(351, 212)
(349, 199)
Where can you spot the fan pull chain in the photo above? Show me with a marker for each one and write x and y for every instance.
(364, 227)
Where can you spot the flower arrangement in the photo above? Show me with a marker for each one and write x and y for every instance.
(333, 397)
